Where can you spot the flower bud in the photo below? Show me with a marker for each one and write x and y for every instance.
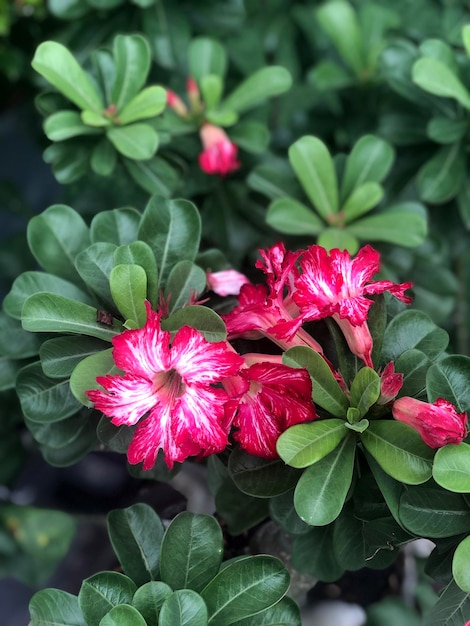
(390, 383)
(220, 154)
(226, 282)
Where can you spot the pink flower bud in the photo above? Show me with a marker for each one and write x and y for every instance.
(220, 154)
(175, 103)
(438, 423)
(390, 383)
(226, 282)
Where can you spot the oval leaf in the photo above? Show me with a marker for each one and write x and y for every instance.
(128, 284)
(305, 444)
(264, 83)
(136, 141)
(293, 218)
(183, 608)
(451, 468)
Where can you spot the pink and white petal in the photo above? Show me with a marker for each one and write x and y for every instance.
(354, 309)
(199, 361)
(365, 265)
(398, 290)
(257, 430)
(125, 400)
(286, 408)
(294, 381)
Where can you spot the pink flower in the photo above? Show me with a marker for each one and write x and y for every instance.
(226, 282)
(220, 154)
(438, 423)
(334, 285)
(271, 397)
(390, 383)
(167, 389)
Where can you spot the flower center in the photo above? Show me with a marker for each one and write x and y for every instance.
(168, 385)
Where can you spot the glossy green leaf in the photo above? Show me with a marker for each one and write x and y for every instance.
(59, 435)
(54, 606)
(123, 615)
(68, 10)
(44, 399)
(168, 32)
(135, 141)
(413, 330)
(55, 237)
(413, 364)
(103, 159)
(339, 21)
(69, 160)
(445, 130)
(283, 512)
(94, 264)
(47, 312)
(15, 342)
(305, 444)
(185, 281)
(284, 613)
(452, 608)
(95, 120)
(136, 534)
(200, 317)
(404, 225)
(244, 588)
(115, 438)
(451, 468)
(65, 124)
(441, 178)
(293, 218)
(340, 238)
(191, 551)
(101, 592)
(239, 511)
(439, 50)
(251, 136)
(460, 569)
(390, 488)
(433, 512)
(212, 87)
(53, 61)
(370, 161)
(448, 379)
(156, 176)
(148, 600)
(436, 78)
(313, 166)
(313, 553)
(128, 284)
(83, 377)
(132, 58)
(140, 253)
(264, 83)
(172, 229)
(183, 608)
(365, 390)
(326, 391)
(206, 57)
(322, 488)
(399, 450)
(362, 200)
(262, 478)
(328, 75)
(150, 102)
(60, 355)
(118, 226)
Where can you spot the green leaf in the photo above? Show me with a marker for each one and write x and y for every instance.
(69, 160)
(55, 237)
(200, 317)
(172, 229)
(54, 606)
(283, 512)
(94, 264)
(184, 282)
(123, 615)
(433, 512)
(239, 511)
(413, 364)
(29, 283)
(115, 438)
(191, 551)
(136, 534)
(96, 120)
(148, 600)
(53, 61)
(326, 391)
(305, 444)
(445, 130)
(313, 553)
(339, 21)
(365, 390)
(362, 200)
(59, 435)
(338, 238)
(15, 342)
(413, 330)
(118, 226)
(328, 75)
(128, 284)
(155, 176)
(451, 468)
(83, 377)
(74, 451)
(284, 613)
(404, 225)
(323, 487)
(183, 608)
(139, 253)
(44, 399)
(251, 136)
(262, 478)
(449, 379)
(101, 592)
(59, 356)
(206, 57)
(293, 218)
(132, 58)
(262, 84)
(313, 166)
(136, 141)
(370, 161)
(211, 86)
(65, 124)
(69, 10)
(390, 488)
(103, 158)
(150, 102)
(436, 78)
(47, 312)
(244, 588)
(441, 178)
(460, 563)
(399, 450)
(452, 608)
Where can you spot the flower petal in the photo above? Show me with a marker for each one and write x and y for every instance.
(126, 398)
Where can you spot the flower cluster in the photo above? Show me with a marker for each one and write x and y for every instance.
(189, 396)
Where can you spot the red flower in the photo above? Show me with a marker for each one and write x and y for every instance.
(220, 154)
(438, 423)
(271, 397)
(168, 390)
(390, 383)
